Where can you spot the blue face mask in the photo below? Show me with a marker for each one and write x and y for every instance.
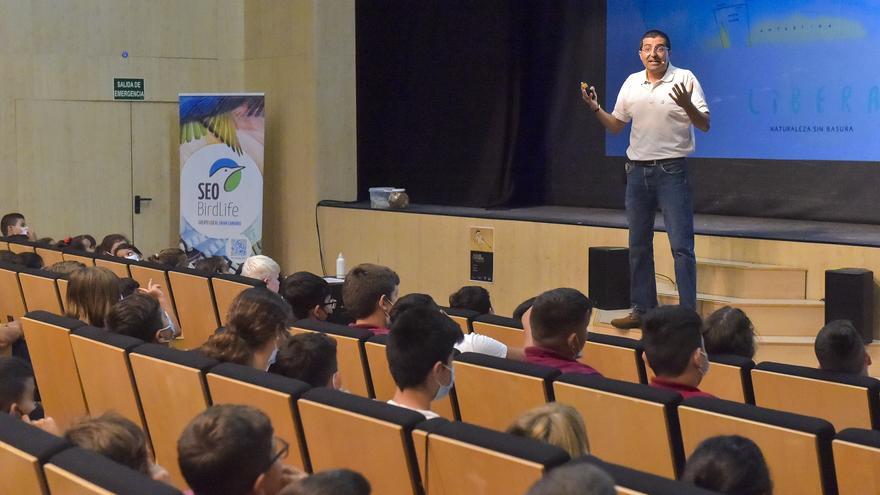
(443, 391)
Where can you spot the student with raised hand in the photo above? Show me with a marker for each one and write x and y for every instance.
(91, 294)
(732, 465)
(119, 440)
(141, 316)
(673, 342)
(729, 331)
(309, 357)
(309, 296)
(263, 268)
(17, 388)
(574, 479)
(840, 348)
(333, 482)
(420, 349)
(472, 297)
(255, 326)
(555, 423)
(559, 320)
(110, 243)
(369, 292)
(233, 450)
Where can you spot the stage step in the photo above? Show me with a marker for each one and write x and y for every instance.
(746, 280)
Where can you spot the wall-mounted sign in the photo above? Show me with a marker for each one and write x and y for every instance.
(128, 89)
(482, 242)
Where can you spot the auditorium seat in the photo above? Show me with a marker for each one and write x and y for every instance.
(465, 318)
(102, 360)
(797, 448)
(144, 272)
(48, 339)
(630, 424)
(350, 352)
(615, 357)
(119, 266)
(83, 257)
(194, 300)
(371, 437)
(505, 330)
(23, 451)
(19, 247)
(226, 287)
(62, 290)
(40, 290)
(846, 400)
(77, 471)
(857, 461)
(273, 394)
(461, 458)
(172, 388)
(50, 255)
(730, 378)
(632, 482)
(492, 392)
(11, 298)
(383, 383)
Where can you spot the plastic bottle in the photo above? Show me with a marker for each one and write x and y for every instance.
(340, 266)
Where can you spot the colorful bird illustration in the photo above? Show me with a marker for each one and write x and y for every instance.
(214, 114)
(228, 168)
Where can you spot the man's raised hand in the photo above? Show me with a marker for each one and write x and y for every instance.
(682, 96)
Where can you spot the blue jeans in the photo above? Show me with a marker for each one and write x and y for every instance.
(665, 186)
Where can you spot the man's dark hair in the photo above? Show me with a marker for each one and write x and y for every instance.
(410, 301)
(670, 334)
(839, 347)
(224, 449)
(557, 313)
(14, 375)
(729, 464)
(574, 479)
(9, 220)
(472, 297)
(310, 357)
(304, 291)
(656, 33)
(522, 308)
(419, 338)
(334, 482)
(363, 287)
(729, 331)
(138, 316)
(114, 437)
(29, 260)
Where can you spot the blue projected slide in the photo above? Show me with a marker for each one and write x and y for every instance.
(784, 79)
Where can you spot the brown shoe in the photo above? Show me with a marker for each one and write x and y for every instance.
(632, 320)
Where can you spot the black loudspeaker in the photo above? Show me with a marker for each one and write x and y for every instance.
(849, 295)
(609, 277)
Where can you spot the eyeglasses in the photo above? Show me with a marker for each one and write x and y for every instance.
(281, 449)
(331, 303)
(659, 49)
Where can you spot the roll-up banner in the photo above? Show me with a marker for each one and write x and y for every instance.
(221, 175)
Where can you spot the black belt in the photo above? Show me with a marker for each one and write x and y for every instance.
(654, 163)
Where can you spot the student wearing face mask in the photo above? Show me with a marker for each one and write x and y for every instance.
(128, 251)
(369, 292)
(674, 349)
(13, 224)
(558, 322)
(420, 349)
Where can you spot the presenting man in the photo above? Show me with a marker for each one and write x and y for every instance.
(663, 102)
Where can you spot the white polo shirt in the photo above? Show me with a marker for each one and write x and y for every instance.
(660, 128)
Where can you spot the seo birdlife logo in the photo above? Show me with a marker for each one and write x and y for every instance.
(221, 193)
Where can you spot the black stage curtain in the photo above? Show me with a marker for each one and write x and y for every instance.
(477, 103)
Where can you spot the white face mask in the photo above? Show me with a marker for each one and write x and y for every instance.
(704, 366)
(25, 230)
(133, 257)
(272, 357)
(443, 391)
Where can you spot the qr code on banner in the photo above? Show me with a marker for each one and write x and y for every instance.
(238, 248)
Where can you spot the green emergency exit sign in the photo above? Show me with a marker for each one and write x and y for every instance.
(128, 89)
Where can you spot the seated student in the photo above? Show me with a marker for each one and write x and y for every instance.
(109, 244)
(333, 482)
(369, 292)
(91, 294)
(83, 242)
(128, 251)
(309, 357)
(65, 267)
(29, 260)
(574, 479)
(231, 450)
(140, 316)
(555, 423)
(255, 325)
(674, 350)
(13, 224)
(732, 465)
(729, 331)
(472, 297)
(523, 313)
(119, 440)
(128, 286)
(559, 323)
(212, 265)
(420, 349)
(309, 296)
(840, 348)
(170, 257)
(472, 342)
(17, 387)
(263, 268)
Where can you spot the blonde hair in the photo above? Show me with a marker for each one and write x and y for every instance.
(91, 294)
(554, 423)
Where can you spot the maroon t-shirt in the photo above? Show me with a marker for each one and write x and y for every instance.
(376, 330)
(547, 357)
(686, 391)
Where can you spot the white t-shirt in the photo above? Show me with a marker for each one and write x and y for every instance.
(428, 414)
(660, 128)
(474, 342)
